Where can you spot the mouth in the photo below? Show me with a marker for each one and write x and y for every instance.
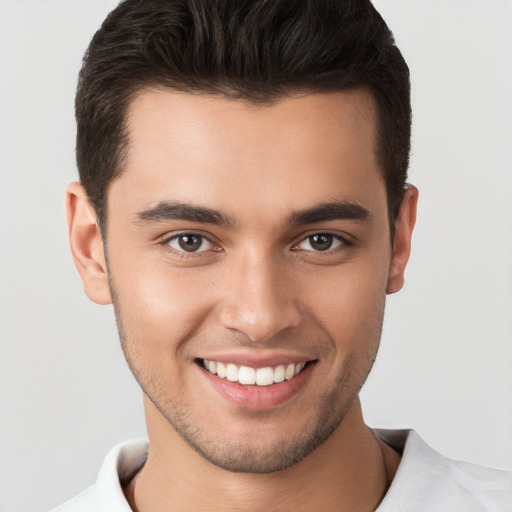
(249, 376)
(257, 383)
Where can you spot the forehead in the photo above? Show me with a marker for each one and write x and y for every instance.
(214, 151)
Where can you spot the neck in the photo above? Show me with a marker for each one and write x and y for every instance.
(350, 471)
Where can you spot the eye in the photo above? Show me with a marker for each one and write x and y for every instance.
(190, 242)
(320, 242)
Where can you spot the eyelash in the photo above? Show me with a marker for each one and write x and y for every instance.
(186, 254)
(343, 242)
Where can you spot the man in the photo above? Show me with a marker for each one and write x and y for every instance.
(243, 204)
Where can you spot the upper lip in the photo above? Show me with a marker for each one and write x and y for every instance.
(257, 360)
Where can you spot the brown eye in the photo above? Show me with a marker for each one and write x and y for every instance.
(320, 242)
(189, 242)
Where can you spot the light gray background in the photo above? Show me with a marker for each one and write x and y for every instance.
(444, 368)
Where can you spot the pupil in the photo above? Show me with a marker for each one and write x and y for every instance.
(190, 243)
(321, 242)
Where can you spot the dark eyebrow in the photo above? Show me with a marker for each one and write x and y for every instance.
(344, 210)
(170, 210)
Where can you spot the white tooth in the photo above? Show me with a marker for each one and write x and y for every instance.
(289, 372)
(232, 372)
(212, 366)
(246, 375)
(264, 376)
(279, 373)
(221, 370)
(205, 363)
(299, 367)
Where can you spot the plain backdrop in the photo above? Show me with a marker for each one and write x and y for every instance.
(66, 395)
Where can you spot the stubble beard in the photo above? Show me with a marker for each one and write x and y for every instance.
(251, 453)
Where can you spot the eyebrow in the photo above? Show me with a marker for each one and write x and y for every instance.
(172, 210)
(335, 210)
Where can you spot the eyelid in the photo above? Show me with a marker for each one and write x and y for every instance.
(204, 245)
(166, 239)
(344, 239)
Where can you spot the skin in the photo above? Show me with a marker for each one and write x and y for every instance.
(257, 287)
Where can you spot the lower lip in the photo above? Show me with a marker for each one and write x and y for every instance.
(258, 397)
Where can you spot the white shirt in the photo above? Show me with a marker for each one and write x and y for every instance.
(425, 481)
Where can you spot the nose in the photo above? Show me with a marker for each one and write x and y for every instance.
(259, 300)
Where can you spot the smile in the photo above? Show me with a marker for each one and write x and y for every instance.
(248, 376)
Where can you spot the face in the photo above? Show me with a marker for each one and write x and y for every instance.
(249, 259)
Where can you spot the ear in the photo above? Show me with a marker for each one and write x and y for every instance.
(404, 226)
(87, 245)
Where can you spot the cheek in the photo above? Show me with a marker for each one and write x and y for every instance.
(158, 304)
(349, 303)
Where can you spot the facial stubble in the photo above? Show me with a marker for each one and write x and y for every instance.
(252, 452)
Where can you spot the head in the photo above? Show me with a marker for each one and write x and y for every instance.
(244, 164)
(258, 51)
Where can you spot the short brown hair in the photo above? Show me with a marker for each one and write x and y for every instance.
(257, 50)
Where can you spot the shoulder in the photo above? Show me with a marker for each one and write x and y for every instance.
(427, 481)
(106, 494)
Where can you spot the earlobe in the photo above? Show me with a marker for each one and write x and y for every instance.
(402, 240)
(87, 245)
